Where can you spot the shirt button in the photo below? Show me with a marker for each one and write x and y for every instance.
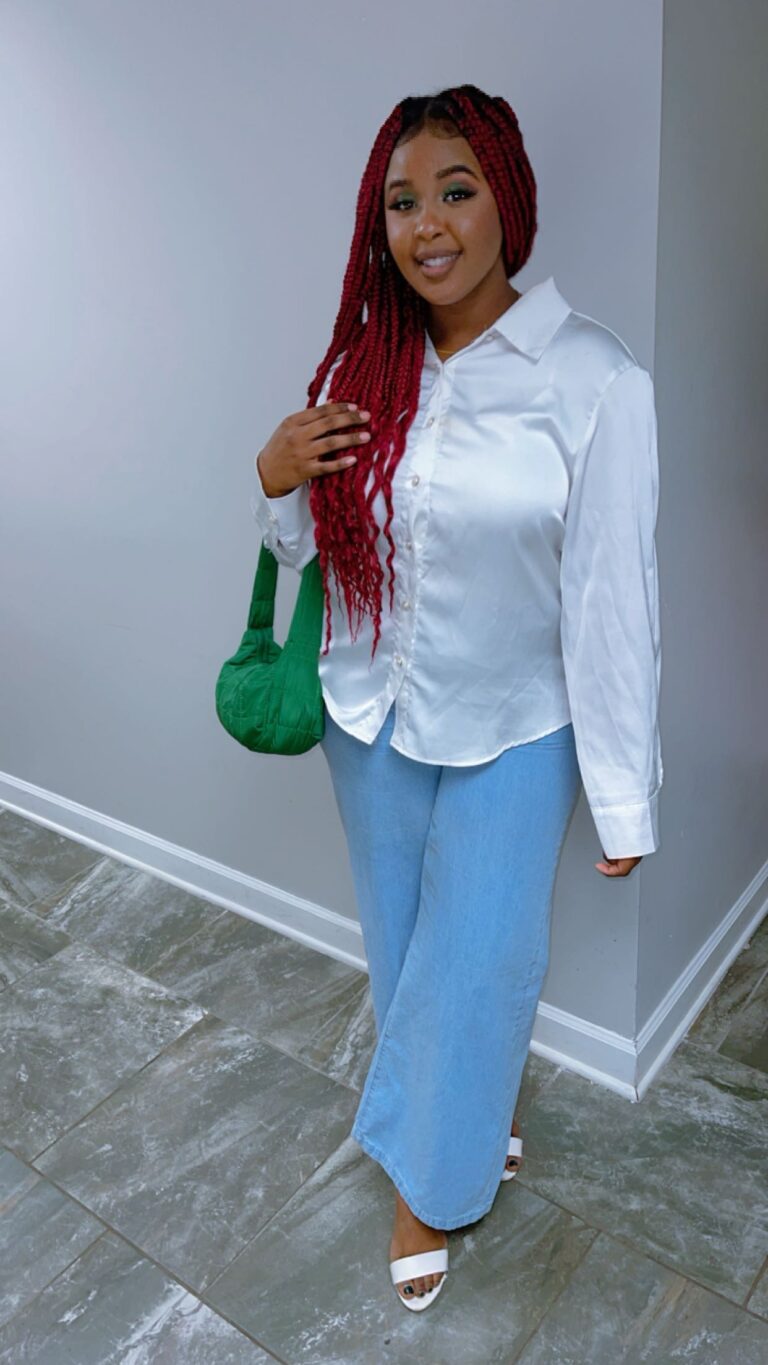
(398, 660)
(430, 421)
(409, 544)
(415, 480)
(405, 603)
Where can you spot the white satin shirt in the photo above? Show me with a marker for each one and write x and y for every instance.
(526, 591)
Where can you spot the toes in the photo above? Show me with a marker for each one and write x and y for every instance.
(415, 1288)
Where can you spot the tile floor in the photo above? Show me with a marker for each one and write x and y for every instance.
(177, 1086)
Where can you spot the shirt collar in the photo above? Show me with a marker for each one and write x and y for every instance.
(530, 322)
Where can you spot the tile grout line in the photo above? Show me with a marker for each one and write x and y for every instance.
(620, 1239)
(557, 1297)
(139, 1250)
(147, 973)
(58, 887)
(625, 1241)
(274, 1215)
(126, 1081)
(22, 1308)
(752, 1289)
(106, 860)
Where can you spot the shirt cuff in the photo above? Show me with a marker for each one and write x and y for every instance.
(628, 831)
(285, 516)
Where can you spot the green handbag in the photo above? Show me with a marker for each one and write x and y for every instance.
(270, 698)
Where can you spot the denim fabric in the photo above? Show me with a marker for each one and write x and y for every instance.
(453, 869)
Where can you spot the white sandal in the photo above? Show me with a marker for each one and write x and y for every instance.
(422, 1263)
(515, 1148)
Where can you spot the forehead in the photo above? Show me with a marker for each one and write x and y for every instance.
(422, 156)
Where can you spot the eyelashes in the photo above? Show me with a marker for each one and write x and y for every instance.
(460, 190)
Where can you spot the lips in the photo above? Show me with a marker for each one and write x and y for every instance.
(437, 264)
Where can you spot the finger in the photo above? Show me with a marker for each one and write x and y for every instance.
(336, 410)
(325, 443)
(332, 466)
(326, 423)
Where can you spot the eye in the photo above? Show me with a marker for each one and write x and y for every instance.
(406, 200)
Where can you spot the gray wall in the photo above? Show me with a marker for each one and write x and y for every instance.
(180, 183)
(712, 403)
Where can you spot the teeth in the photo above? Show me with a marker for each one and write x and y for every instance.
(440, 260)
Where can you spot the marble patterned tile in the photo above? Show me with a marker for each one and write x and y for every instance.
(747, 1039)
(35, 860)
(70, 1032)
(681, 1175)
(41, 1231)
(538, 1072)
(312, 1006)
(314, 1286)
(743, 976)
(620, 1308)
(128, 914)
(192, 1156)
(25, 942)
(114, 1307)
(758, 1299)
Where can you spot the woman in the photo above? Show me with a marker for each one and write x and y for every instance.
(501, 472)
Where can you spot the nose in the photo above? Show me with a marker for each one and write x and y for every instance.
(428, 232)
(428, 228)
(428, 220)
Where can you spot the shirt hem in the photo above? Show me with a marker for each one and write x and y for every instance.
(470, 762)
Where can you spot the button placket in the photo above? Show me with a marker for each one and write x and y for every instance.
(408, 601)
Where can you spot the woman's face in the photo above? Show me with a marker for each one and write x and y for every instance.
(437, 202)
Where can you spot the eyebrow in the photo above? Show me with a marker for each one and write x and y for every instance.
(439, 175)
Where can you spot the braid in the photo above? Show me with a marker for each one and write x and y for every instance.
(380, 356)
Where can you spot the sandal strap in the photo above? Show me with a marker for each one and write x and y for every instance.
(422, 1263)
(515, 1147)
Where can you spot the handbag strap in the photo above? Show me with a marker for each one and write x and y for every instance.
(306, 627)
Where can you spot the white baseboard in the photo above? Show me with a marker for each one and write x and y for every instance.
(303, 920)
(622, 1064)
(668, 1024)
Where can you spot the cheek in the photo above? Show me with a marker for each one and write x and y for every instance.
(477, 225)
(399, 244)
(486, 231)
(396, 238)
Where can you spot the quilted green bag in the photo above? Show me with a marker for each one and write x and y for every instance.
(270, 698)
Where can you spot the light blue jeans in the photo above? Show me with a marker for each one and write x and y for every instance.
(454, 870)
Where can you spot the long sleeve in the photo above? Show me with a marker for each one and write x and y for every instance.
(610, 630)
(286, 523)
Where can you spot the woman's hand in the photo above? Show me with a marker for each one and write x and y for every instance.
(293, 452)
(617, 867)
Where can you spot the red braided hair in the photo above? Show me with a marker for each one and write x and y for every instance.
(380, 357)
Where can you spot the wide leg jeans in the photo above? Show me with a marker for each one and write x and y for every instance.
(454, 871)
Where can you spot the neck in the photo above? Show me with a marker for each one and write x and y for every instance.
(454, 325)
